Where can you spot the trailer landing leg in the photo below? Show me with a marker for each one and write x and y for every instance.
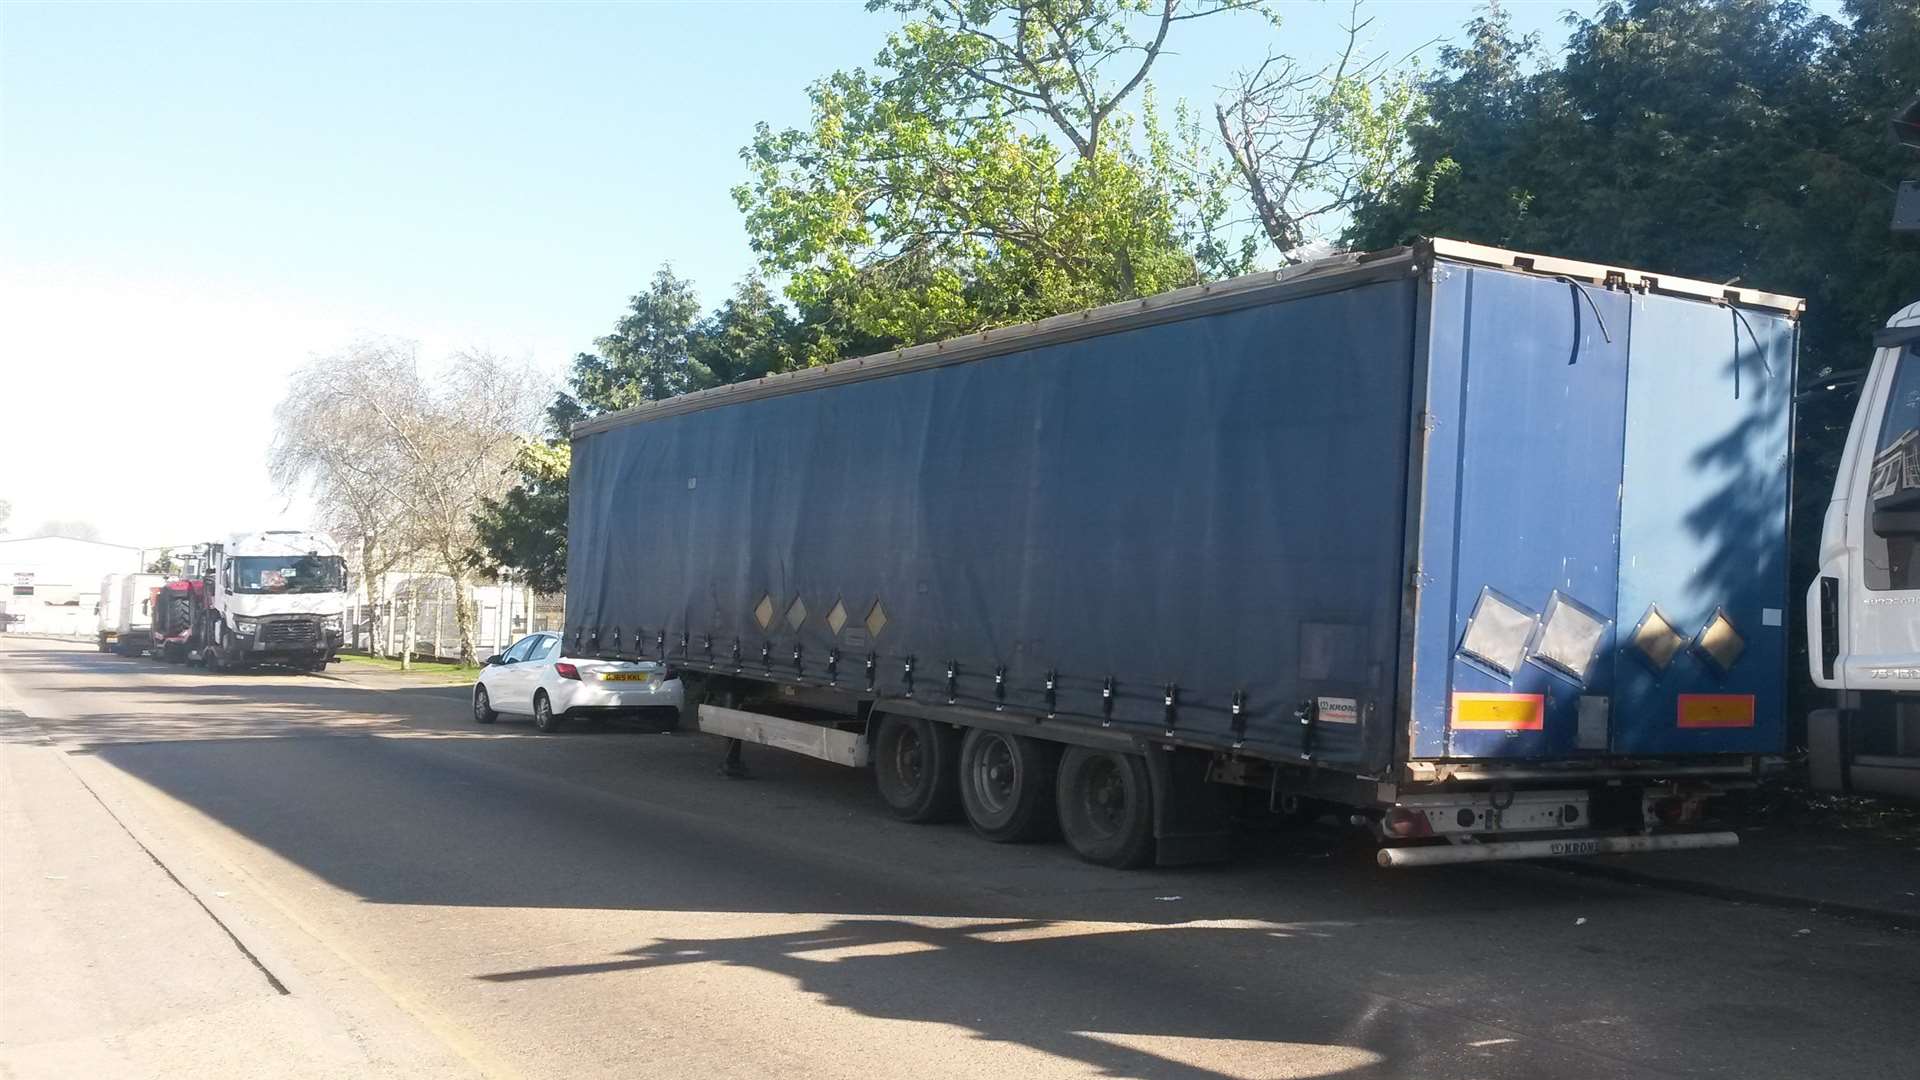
(733, 768)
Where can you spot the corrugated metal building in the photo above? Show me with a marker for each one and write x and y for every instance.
(51, 584)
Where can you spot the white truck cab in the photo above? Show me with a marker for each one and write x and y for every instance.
(1863, 608)
(274, 597)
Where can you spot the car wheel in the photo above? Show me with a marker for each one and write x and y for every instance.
(1106, 806)
(483, 707)
(1006, 785)
(914, 766)
(543, 719)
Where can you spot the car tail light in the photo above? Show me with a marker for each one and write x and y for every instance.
(566, 670)
(1403, 822)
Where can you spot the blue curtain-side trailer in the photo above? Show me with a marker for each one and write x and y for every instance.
(1484, 551)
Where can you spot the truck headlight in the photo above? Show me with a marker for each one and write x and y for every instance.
(331, 622)
(247, 627)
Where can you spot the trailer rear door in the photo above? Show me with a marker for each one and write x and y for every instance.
(1703, 574)
(1526, 393)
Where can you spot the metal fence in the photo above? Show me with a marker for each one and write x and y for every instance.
(501, 614)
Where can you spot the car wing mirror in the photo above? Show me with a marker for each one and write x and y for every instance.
(493, 661)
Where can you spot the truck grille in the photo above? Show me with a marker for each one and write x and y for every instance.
(290, 632)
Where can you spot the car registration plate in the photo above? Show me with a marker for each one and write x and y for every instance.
(626, 676)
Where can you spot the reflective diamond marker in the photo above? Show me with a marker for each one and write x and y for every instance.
(1498, 632)
(876, 619)
(796, 613)
(1719, 642)
(837, 618)
(1570, 635)
(1656, 640)
(763, 612)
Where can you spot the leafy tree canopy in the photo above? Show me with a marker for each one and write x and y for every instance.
(986, 171)
(525, 529)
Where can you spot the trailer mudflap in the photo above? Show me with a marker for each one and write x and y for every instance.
(1192, 819)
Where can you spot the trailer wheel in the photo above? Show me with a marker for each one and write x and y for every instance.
(914, 766)
(1006, 785)
(1106, 806)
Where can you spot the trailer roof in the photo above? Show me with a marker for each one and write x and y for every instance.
(1321, 275)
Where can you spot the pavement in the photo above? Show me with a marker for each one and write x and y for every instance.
(436, 898)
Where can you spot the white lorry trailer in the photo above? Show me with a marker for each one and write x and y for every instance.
(106, 613)
(133, 612)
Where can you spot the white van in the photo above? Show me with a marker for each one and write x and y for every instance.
(106, 612)
(133, 620)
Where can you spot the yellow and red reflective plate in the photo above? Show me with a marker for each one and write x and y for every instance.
(1716, 710)
(1499, 712)
(625, 676)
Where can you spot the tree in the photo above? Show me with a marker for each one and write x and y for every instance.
(647, 357)
(524, 529)
(1051, 60)
(1307, 145)
(432, 448)
(1717, 139)
(750, 336)
(163, 564)
(661, 347)
(331, 439)
(987, 171)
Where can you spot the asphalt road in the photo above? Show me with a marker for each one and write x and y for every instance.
(604, 903)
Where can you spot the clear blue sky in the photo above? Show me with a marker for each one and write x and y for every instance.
(209, 195)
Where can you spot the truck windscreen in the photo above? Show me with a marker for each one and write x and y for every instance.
(1891, 548)
(1903, 402)
(289, 574)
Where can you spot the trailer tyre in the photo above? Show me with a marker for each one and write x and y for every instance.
(916, 768)
(1106, 806)
(1006, 785)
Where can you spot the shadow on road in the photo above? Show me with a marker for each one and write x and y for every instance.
(1299, 959)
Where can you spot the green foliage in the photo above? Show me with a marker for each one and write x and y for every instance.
(926, 199)
(525, 529)
(1710, 138)
(1718, 139)
(647, 357)
(660, 348)
(165, 564)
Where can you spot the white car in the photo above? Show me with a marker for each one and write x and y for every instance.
(534, 679)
